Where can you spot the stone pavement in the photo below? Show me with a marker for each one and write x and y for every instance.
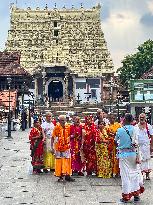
(18, 186)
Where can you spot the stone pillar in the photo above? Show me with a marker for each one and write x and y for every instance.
(36, 88)
(101, 84)
(65, 97)
(74, 89)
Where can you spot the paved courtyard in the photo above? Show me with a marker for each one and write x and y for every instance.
(18, 186)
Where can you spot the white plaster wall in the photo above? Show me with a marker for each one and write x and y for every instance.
(98, 93)
(83, 96)
(80, 91)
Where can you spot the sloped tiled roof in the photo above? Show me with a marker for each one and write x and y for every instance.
(8, 57)
(13, 69)
(148, 74)
(10, 64)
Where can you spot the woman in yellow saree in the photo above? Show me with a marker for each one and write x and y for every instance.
(104, 168)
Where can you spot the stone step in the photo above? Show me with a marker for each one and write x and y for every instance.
(63, 110)
(68, 108)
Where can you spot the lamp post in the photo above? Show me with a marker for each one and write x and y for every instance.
(118, 106)
(110, 94)
(23, 123)
(23, 88)
(65, 87)
(29, 112)
(33, 102)
(9, 113)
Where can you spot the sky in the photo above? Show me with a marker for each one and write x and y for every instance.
(125, 23)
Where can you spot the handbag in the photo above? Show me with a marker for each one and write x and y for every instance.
(134, 146)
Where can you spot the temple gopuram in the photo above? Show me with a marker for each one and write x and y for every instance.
(65, 51)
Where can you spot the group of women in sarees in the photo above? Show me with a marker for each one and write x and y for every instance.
(101, 147)
(92, 147)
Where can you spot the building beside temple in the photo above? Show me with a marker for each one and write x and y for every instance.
(14, 79)
(141, 95)
(10, 68)
(65, 50)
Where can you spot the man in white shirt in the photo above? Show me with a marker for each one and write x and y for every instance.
(48, 126)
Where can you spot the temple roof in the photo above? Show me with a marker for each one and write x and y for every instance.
(8, 57)
(148, 74)
(10, 64)
(13, 69)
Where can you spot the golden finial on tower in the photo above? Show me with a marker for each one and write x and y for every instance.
(46, 7)
(11, 5)
(99, 5)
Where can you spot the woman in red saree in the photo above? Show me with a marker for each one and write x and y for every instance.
(36, 138)
(76, 141)
(89, 150)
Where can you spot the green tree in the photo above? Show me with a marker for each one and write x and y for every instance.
(135, 65)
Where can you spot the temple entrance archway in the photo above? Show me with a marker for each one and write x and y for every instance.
(55, 91)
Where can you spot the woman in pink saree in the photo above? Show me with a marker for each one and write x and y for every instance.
(76, 142)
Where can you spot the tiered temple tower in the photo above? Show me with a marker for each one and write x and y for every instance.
(71, 38)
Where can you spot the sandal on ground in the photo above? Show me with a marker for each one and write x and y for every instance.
(123, 200)
(69, 179)
(136, 198)
(147, 178)
(35, 172)
(45, 171)
(60, 179)
(39, 171)
(80, 174)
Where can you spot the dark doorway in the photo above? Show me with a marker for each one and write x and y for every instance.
(55, 91)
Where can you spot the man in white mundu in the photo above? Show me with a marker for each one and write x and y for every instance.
(144, 133)
(49, 159)
(129, 159)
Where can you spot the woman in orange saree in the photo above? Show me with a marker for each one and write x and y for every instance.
(111, 130)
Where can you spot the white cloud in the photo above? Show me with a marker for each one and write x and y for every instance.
(117, 56)
(150, 6)
(122, 19)
(122, 32)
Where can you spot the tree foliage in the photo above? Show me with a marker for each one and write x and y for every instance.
(135, 65)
